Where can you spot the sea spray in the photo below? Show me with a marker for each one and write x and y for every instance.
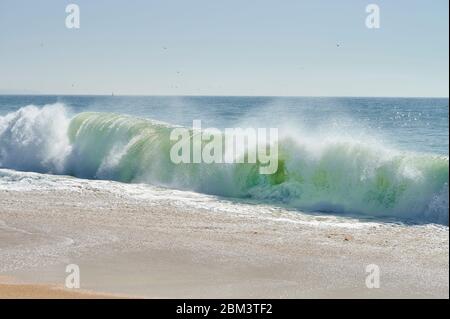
(35, 139)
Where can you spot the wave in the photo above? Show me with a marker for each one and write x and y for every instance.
(336, 175)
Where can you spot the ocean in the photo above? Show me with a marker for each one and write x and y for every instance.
(382, 159)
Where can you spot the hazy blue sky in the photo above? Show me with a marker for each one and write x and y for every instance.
(225, 47)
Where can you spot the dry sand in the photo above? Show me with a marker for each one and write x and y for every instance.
(16, 291)
(11, 289)
(142, 248)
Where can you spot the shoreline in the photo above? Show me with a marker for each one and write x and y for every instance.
(129, 246)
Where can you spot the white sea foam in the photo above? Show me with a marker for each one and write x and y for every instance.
(35, 139)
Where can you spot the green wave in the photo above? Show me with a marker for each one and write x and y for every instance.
(336, 176)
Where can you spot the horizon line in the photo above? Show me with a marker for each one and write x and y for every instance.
(211, 95)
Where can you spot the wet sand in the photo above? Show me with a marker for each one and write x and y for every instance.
(142, 248)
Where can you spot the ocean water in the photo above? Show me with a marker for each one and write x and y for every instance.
(384, 158)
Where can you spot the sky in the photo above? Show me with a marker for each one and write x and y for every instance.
(225, 47)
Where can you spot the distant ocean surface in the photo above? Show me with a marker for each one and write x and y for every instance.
(376, 157)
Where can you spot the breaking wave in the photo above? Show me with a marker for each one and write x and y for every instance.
(335, 175)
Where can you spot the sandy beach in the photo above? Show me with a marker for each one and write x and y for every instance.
(143, 247)
(29, 291)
